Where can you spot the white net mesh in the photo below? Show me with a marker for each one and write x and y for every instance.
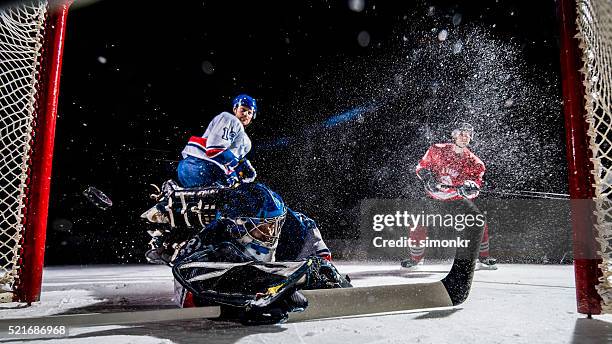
(594, 22)
(21, 37)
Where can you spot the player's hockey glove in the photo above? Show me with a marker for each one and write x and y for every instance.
(429, 180)
(232, 179)
(246, 171)
(227, 159)
(469, 189)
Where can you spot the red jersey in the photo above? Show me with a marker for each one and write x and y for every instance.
(451, 168)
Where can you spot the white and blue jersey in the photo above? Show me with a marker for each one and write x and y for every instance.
(224, 142)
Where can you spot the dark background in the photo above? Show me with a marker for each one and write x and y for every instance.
(348, 102)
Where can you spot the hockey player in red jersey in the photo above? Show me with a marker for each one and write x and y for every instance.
(450, 172)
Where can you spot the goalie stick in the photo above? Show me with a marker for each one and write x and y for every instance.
(452, 290)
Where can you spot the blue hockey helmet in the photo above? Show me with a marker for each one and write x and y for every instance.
(245, 100)
(257, 215)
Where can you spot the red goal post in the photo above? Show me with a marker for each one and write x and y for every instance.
(31, 44)
(586, 66)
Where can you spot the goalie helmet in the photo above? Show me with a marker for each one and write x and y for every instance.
(463, 127)
(256, 215)
(247, 101)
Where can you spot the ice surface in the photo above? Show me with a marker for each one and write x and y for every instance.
(515, 304)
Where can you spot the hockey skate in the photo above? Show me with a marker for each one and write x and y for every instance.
(411, 264)
(485, 263)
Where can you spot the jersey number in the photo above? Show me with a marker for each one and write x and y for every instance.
(228, 135)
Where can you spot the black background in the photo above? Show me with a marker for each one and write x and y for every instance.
(338, 121)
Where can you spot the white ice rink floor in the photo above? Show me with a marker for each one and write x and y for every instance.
(515, 304)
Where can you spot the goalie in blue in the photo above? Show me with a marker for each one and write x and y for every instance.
(253, 257)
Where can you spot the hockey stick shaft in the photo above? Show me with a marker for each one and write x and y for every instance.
(330, 303)
(533, 194)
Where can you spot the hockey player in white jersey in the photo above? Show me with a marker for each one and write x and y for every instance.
(219, 156)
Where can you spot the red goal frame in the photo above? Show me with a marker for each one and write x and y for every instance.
(585, 246)
(28, 284)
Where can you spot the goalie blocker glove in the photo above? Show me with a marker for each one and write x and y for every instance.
(277, 312)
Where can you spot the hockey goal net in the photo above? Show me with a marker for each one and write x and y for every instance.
(586, 46)
(31, 36)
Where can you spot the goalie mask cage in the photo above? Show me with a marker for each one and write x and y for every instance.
(586, 64)
(31, 40)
